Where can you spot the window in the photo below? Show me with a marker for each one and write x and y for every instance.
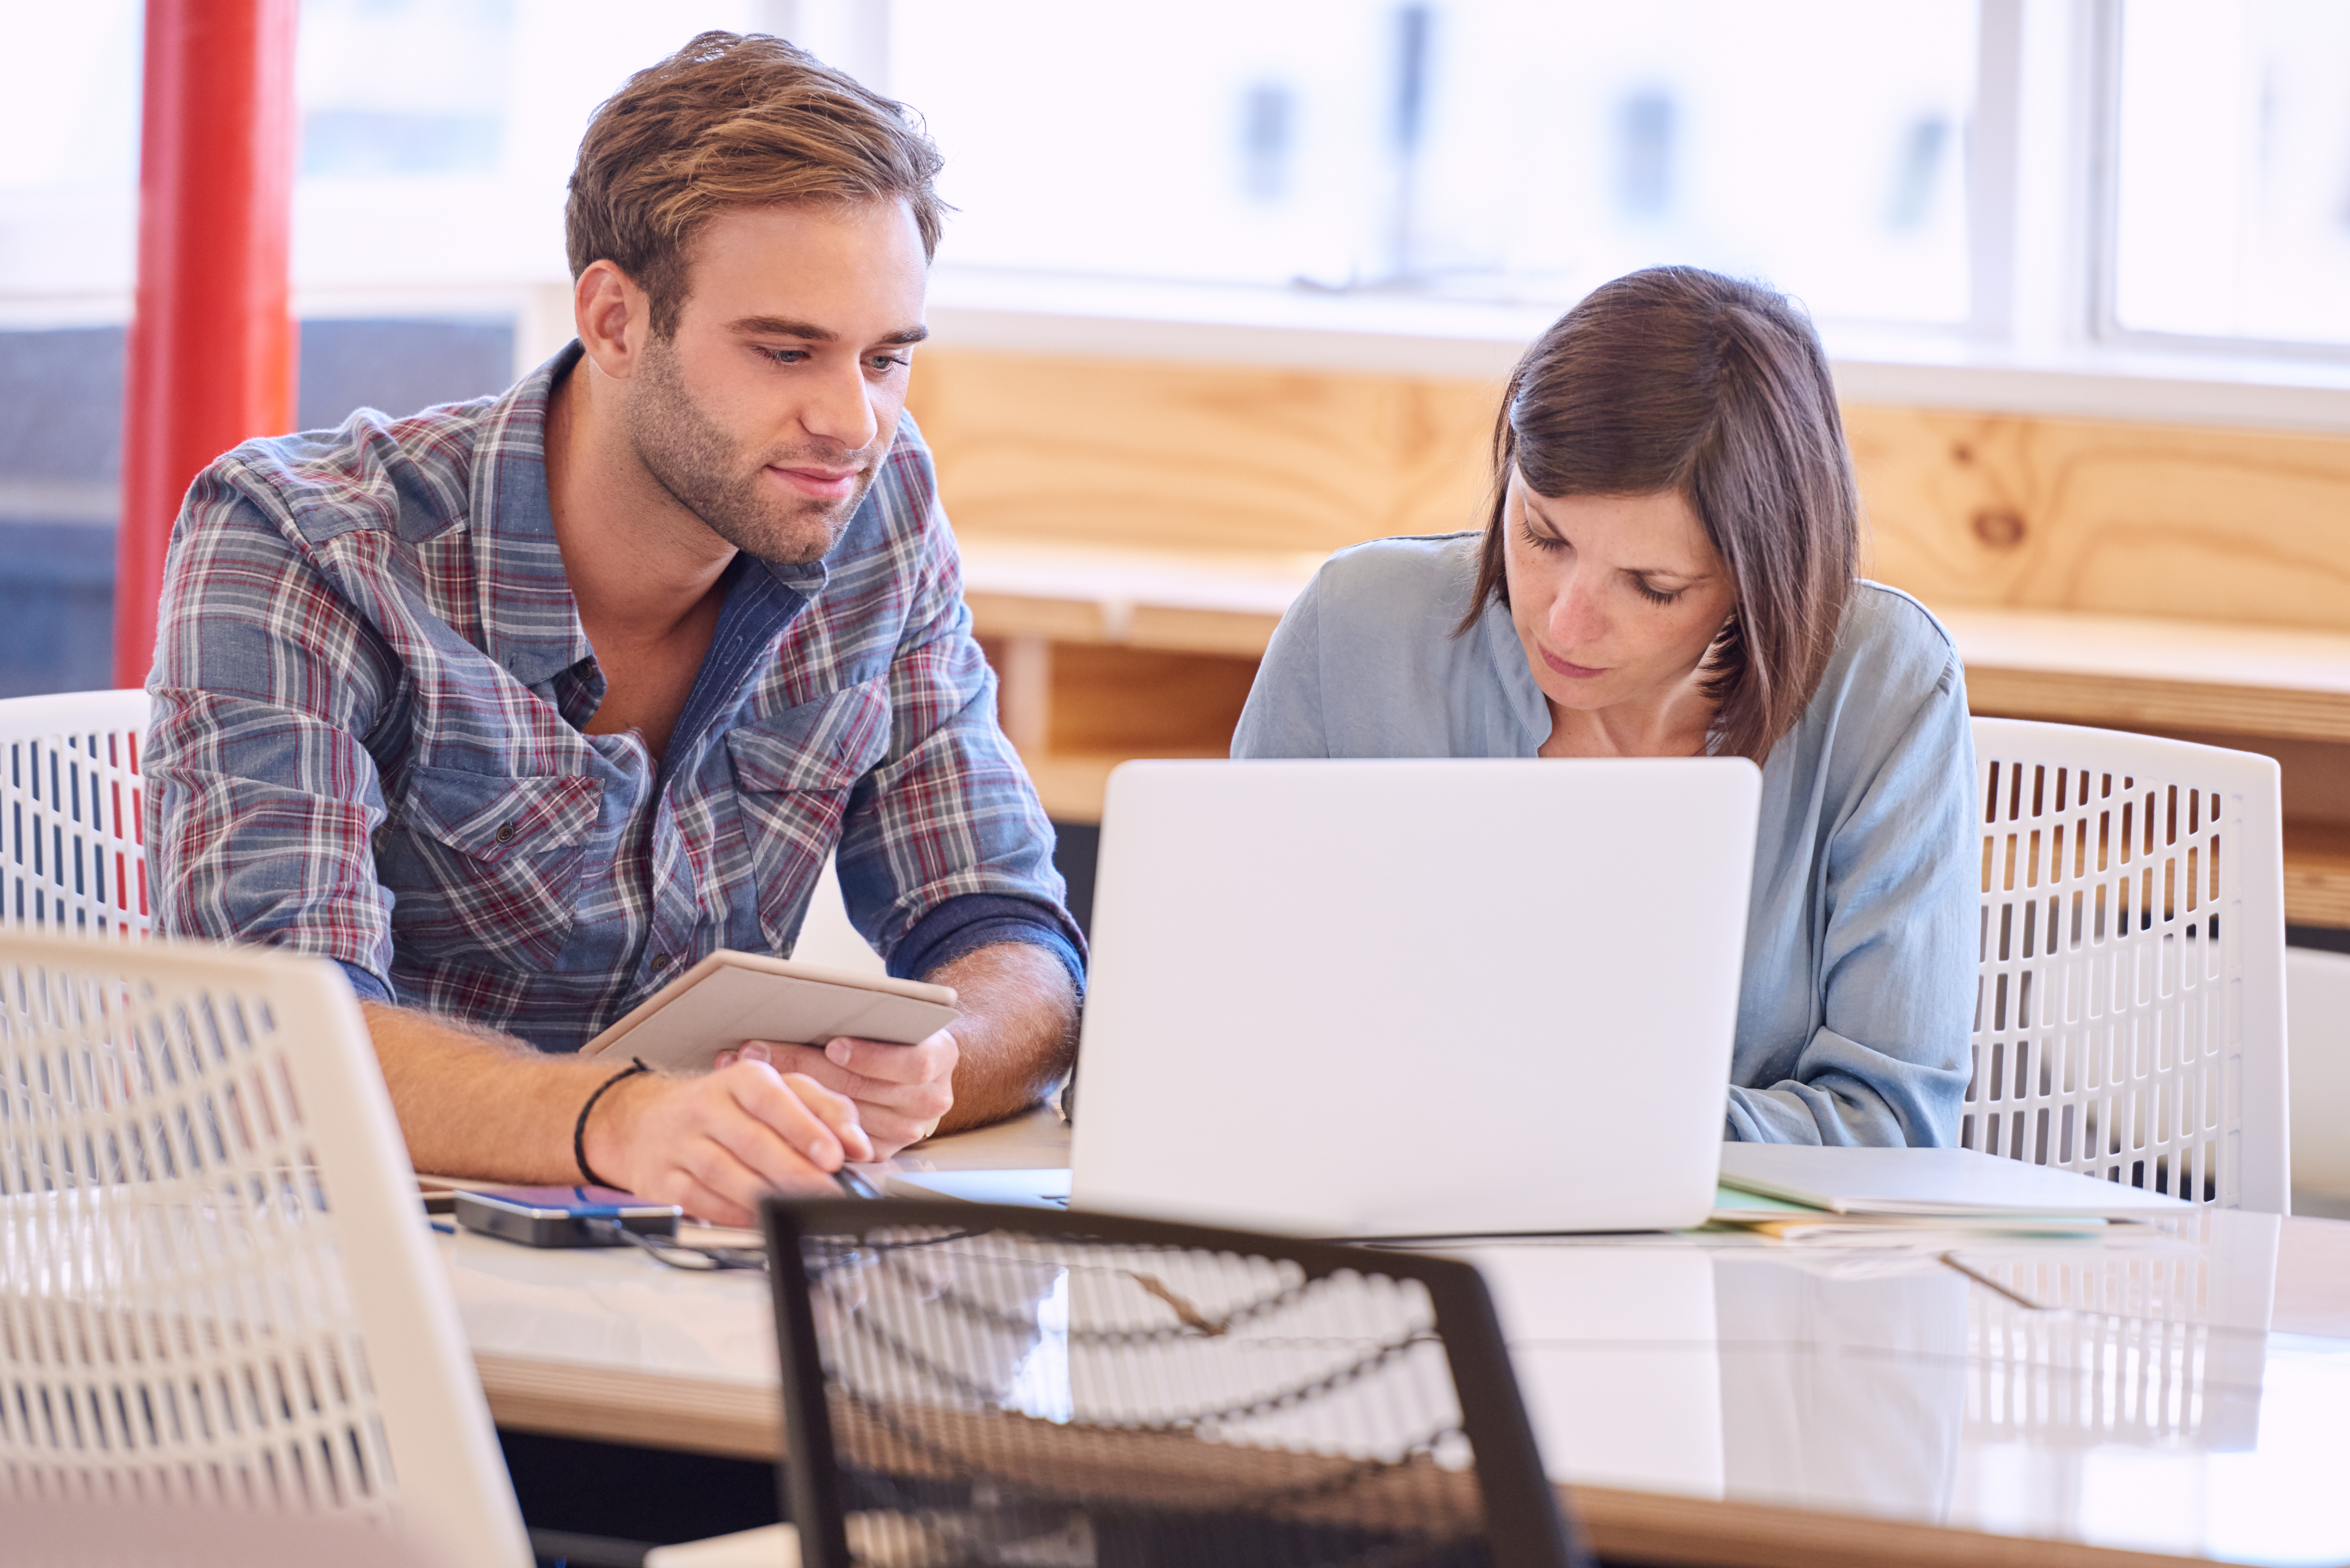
(1479, 150)
(1392, 153)
(2231, 155)
(437, 136)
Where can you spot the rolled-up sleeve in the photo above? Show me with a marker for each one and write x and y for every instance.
(260, 797)
(1887, 1063)
(946, 849)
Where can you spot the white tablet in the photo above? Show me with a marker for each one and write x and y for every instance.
(731, 997)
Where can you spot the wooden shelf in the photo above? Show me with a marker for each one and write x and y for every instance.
(2126, 672)
(1182, 601)
(2245, 683)
(2130, 673)
(2318, 876)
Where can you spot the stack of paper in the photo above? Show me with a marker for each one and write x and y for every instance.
(1919, 1196)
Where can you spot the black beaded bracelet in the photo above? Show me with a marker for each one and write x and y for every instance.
(579, 1129)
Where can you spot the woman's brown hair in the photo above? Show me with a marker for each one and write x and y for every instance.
(1681, 380)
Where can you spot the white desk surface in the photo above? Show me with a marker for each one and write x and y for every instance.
(1710, 1398)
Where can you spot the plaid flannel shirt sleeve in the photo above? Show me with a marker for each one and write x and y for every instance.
(946, 848)
(262, 797)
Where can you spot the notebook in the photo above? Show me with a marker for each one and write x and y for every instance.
(732, 997)
(1932, 1182)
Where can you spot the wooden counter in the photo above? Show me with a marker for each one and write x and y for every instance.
(1047, 609)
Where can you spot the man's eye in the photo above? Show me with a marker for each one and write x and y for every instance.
(786, 356)
(884, 363)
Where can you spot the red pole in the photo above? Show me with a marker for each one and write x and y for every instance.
(212, 344)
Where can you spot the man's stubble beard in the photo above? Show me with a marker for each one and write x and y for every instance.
(693, 458)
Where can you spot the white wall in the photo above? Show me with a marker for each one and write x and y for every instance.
(2317, 1027)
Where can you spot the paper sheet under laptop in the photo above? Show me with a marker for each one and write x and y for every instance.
(1931, 1182)
(1042, 1188)
(731, 997)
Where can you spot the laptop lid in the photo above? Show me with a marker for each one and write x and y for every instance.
(1424, 997)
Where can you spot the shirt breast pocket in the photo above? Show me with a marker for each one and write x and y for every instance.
(488, 866)
(794, 773)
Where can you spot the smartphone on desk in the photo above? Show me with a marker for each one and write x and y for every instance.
(564, 1216)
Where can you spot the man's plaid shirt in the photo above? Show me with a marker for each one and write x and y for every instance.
(370, 683)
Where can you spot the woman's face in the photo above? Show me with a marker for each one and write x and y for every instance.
(1616, 598)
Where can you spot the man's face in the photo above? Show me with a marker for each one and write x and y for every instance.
(768, 412)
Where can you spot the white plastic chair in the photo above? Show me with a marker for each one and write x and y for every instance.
(2129, 1020)
(217, 1295)
(70, 797)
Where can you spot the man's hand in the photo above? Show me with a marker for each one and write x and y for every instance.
(900, 1092)
(718, 1143)
(477, 1104)
(1012, 1044)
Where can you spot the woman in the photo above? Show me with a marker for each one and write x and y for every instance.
(1667, 571)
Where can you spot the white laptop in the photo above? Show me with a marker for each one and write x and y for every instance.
(1406, 998)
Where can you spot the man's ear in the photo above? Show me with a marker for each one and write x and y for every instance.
(613, 316)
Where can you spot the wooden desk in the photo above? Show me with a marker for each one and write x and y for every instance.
(1710, 1402)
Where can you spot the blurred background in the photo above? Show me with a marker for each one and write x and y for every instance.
(1230, 286)
(1940, 181)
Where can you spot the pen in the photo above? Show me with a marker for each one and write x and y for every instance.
(854, 1185)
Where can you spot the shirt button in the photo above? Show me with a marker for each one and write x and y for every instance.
(662, 961)
(506, 832)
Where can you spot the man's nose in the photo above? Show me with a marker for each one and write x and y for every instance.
(839, 409)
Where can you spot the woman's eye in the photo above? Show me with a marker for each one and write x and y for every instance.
(1541, 541)
(1656, 596)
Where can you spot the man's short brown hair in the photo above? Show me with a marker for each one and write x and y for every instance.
(729, 121)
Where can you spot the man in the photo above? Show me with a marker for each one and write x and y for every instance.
(514, 709)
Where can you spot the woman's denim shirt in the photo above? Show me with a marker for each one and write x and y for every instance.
(1858, 1000)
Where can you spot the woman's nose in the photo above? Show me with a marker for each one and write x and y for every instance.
(1575, 618)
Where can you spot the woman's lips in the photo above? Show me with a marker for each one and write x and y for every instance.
(1567, 667)
(819, 483)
